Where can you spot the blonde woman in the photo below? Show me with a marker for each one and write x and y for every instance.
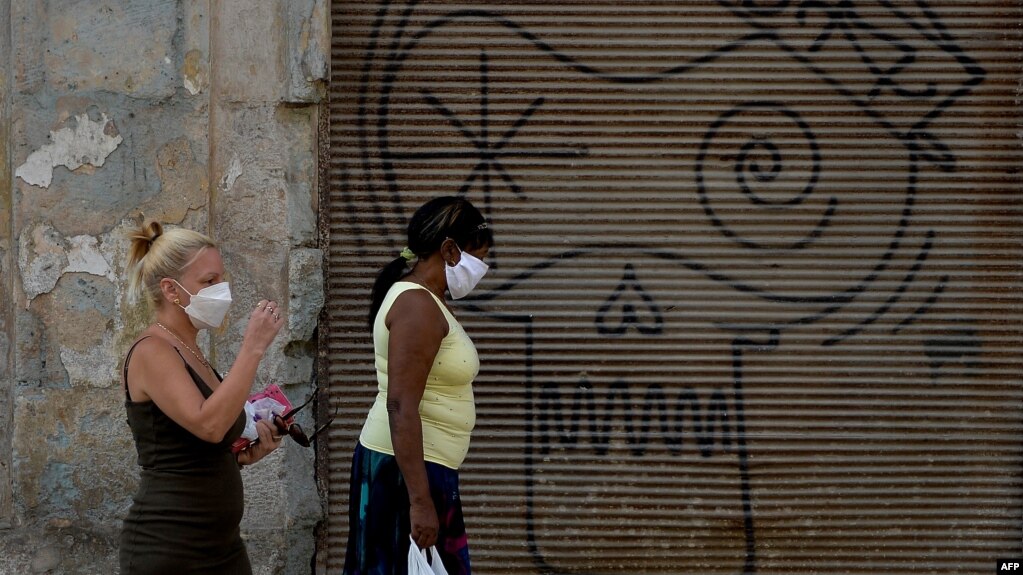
(183, 415)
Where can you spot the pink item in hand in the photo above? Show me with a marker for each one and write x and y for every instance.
(272, 391)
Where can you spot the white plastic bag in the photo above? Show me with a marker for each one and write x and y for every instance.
(262, 409)
(418, 564)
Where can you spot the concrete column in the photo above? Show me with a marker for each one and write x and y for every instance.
(6, 271)
(267, 75)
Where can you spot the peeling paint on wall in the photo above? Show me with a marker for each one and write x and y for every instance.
(85, 256)
(44, 256)
(41, 258)
(194, 72)
(87, 142)
(92, 366)
(233, 171)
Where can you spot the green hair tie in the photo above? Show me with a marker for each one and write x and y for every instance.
(407, 254)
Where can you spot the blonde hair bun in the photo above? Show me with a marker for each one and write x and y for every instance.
(150, 261)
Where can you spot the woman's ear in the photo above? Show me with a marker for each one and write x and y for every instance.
(449, 252)
(169, 289)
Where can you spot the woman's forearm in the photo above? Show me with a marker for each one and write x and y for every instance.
(407, 441)
(220, 410)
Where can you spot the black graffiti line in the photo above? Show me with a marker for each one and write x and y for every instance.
(510, 284)
(429, 28)
(957, 345)
(361, 116)
(360, 119)
(755, 10)
(467, 183)
(526, 322)
(936, 292)
(512, 153)
(582, 399)
(738, 345)
(843, 16)
(839, 299)
(885, 76)
(514, 130)
(515, 188)
(452, 117)
(499, 19)
(921, 258)
(602, 441)
(485, 169)
(946, 161)
(484, 95)
(479, 141)
(487, 154)
(396, 61)
(482, 140)
(946, 42)
(885, 259)
(776, 161)
(848, 294)
(530, 469)
(397, 58)
(828, 30)
(383, 106)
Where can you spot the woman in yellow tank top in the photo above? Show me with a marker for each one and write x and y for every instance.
(405, 466)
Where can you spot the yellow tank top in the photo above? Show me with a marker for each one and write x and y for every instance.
(448, 410)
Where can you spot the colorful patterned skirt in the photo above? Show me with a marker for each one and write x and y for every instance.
(378, 531)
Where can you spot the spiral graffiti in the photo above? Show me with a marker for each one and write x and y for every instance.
(756, 175)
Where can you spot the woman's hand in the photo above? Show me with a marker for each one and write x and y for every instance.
(425, 524)
(264, 323)
(268, 441)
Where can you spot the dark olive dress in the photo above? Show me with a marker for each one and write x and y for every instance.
(186, 514)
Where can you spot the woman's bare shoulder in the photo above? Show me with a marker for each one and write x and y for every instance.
(416, 307)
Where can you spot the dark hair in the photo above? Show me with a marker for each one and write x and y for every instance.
(435, 221)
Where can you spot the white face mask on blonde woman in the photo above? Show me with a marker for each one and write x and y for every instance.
(208, 307)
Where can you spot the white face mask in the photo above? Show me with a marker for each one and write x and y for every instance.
(464, 275)
(208, 306)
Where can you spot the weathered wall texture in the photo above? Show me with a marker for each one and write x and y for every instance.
(197, 113)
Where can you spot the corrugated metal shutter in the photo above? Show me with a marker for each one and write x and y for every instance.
(755, 304)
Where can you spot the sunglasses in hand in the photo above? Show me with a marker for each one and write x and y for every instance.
(281, 422)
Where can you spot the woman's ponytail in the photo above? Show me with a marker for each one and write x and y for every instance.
(141, 240)
(387, 277)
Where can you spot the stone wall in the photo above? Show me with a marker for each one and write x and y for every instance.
(196, 113)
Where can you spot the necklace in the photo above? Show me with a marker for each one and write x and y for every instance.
(205, 363)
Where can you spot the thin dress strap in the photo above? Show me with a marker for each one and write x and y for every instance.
(127, 358)
(195, 377)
